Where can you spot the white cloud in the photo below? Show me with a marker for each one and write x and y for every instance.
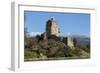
(34, 33)
(74, 34)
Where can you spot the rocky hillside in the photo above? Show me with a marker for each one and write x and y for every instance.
(36, 48)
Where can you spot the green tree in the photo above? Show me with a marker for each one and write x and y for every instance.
(26, 41)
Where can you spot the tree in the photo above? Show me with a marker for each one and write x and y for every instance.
(25, 37)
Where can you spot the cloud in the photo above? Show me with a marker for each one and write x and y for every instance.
(34, 33)
(75, 34)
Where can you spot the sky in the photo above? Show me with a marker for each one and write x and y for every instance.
(77, 23)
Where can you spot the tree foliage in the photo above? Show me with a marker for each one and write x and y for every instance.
(37, 47)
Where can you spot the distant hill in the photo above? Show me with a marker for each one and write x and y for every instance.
(82, 39)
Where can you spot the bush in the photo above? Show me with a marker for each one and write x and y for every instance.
(30, 54)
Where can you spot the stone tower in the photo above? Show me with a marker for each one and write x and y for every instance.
(70, 41)
(52, 28)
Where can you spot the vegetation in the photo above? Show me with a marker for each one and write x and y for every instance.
(36, 48)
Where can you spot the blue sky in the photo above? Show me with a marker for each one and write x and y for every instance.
(78, 23)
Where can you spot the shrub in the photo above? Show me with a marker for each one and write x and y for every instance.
(30, 54)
